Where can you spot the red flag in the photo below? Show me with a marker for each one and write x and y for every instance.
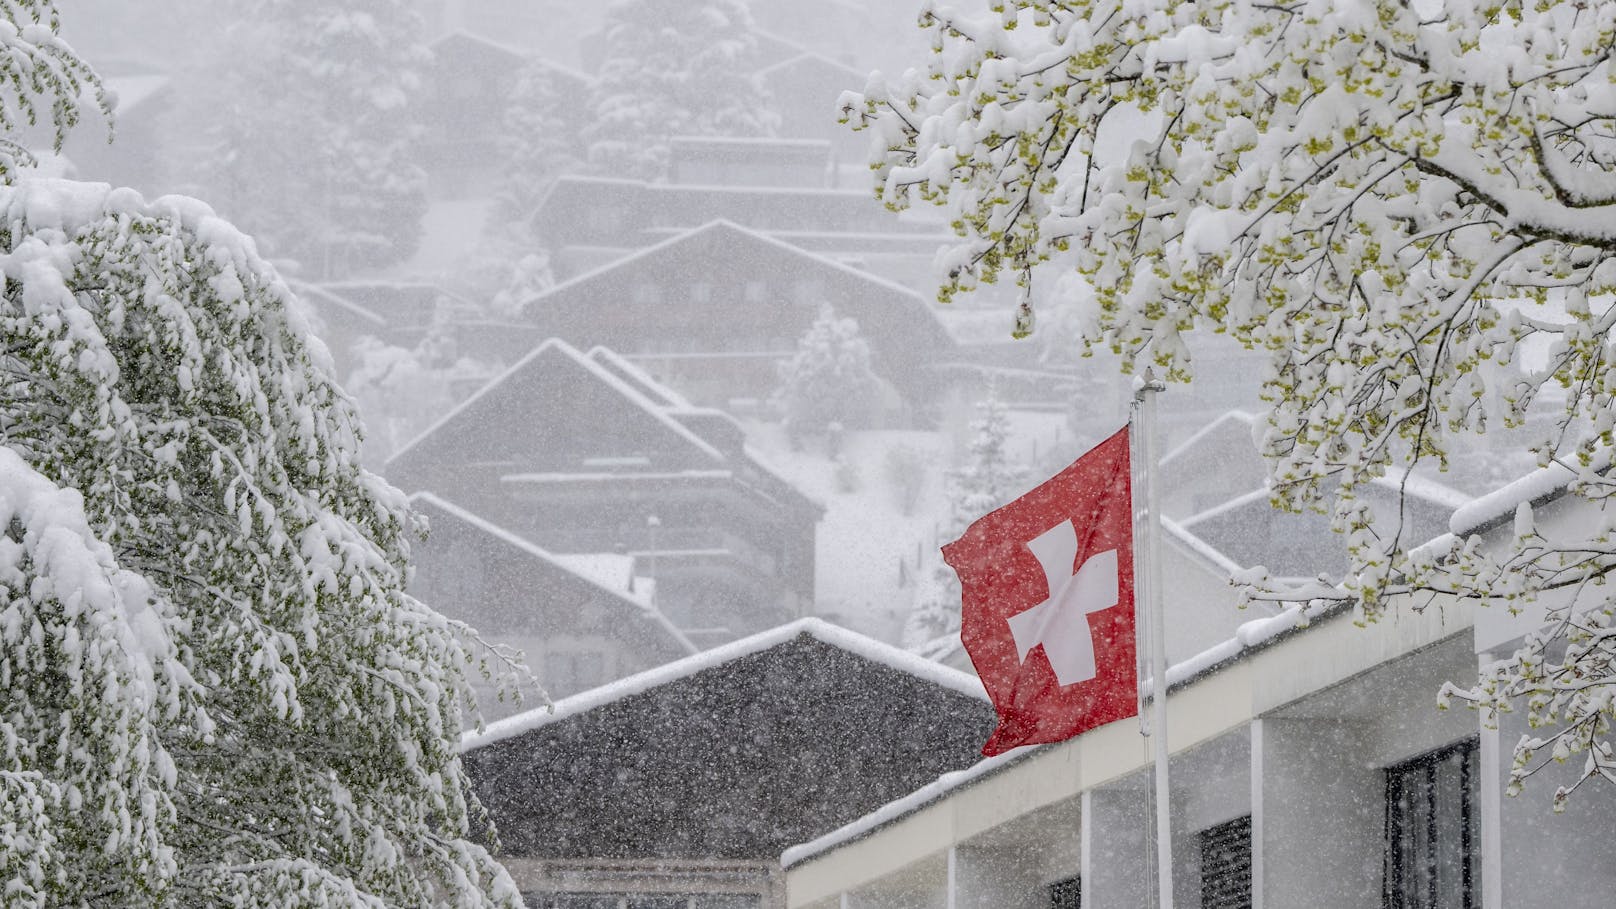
(1047, 608)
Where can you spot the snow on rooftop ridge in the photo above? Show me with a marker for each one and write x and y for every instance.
(642, 603)
(906, 805)
(606, 375)
(1433, 491)
(526, 55)
(1222, 508)
(1539, 486)
(1200, 547)
(305, 289)
(1200, 435)
(818, 629)
(816, 57)
(1248, 638)
(728, 225)
(649, 386)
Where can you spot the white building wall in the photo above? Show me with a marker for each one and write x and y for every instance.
(1318, 818)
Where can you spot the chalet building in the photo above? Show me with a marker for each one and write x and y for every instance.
(579, 620)
(775, 187)
(401, 313)
(715, 310)
(584, 453)
(1310, 767)
(678, 787)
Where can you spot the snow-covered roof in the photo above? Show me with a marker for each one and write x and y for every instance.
(819, 59)
(555, 346)
(721, 224)
(1199, 547)
(594, 569)
(1248, 638)
(1542, 485)
(818, 629)
(523, 54)
(639, 378)
(317, 292)
(1237, 418)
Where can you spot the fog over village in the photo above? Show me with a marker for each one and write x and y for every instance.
(512, 452)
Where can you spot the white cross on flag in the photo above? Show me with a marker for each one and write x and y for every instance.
(1047, 602)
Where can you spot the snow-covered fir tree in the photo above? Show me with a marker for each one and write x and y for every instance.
(672, 68)
(1393, 202)
(214, 690)
(539, 139)
(828, 381)
(307, 133)
(987, 479)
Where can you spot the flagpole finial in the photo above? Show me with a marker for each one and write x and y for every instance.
(1146, 381)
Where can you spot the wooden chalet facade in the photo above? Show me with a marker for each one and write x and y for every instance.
(583, 454)
(715, 310)
(580, 621)
(678, 788)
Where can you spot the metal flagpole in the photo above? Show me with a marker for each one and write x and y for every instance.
(1145, 395)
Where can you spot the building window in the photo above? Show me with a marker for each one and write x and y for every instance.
(1066, 894)
(1226, 865)
(1431, 834)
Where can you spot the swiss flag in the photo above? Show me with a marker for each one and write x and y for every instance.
(1047, 613)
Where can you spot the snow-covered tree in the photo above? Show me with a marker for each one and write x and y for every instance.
(828, 380)
(539, 139)
(216, 692)
(1391, 199)
(308, 135)
(673, 68)
(988, 479)
(213, 688)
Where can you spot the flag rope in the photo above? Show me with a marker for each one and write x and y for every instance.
(1145, 392)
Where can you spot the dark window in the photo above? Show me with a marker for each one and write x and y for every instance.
(1431, 835)
(1067, 894)
(1226, 865)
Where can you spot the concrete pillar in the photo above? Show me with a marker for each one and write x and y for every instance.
(1318, 816)
(1119, 868)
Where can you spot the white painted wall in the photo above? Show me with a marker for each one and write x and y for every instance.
(1322, 815)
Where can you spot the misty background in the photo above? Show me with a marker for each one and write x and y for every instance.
(623, 315)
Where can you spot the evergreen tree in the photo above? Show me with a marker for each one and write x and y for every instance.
(539, 140)
(214, 690)
(828, 382)
(987, 480)
(308, 130)
(673, 68)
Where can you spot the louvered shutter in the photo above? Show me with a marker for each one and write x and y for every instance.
(1226, 865)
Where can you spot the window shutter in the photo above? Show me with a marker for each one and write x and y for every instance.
(1226, 865)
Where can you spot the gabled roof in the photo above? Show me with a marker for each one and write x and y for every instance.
(918, 309)
(851, 641)
(467, 412)
(572, 566)
(810, 59)
(731, 754)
